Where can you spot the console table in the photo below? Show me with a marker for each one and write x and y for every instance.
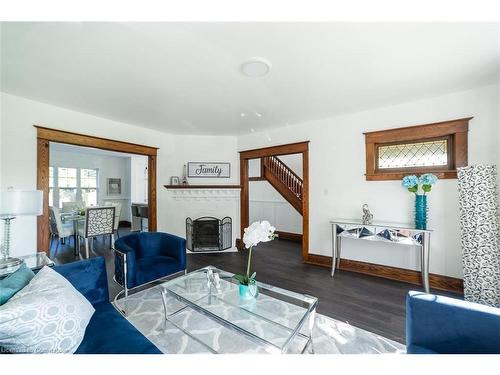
(402, 234)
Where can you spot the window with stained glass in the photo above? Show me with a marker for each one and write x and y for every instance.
(439, 148)
(432, 153)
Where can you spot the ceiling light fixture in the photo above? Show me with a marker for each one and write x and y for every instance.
(256, 67)
(242, 114)
(258, 114)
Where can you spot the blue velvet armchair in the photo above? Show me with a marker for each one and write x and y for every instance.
(147, 256)
(437, 324)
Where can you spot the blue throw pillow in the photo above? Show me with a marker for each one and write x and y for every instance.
(15, 282)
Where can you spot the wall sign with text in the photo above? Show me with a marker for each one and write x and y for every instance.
(209, 170)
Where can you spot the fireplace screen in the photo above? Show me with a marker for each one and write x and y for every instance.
(208, 234)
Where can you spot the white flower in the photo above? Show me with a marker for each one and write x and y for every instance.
(258, 232)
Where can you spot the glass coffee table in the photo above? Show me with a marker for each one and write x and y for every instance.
(272, 320)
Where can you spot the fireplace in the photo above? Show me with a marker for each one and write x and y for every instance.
(208, 234)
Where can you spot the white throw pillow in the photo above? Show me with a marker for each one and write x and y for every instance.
(47, 316)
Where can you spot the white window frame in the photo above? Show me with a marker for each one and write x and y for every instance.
(78, 187)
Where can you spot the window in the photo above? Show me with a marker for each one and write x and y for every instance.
(51, 186)
(88, 186)
(438, 148)
(72, 184)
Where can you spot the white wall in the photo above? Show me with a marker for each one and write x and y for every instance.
(18, 149)
(108, 166)
(338, 187)
(139, 179)
(265, 203)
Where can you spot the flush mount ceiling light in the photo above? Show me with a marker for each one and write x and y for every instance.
(256, 67)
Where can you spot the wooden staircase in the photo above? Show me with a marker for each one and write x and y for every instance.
(284, 180)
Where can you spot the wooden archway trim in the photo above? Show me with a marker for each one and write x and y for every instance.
(287, 149)
(46, 135)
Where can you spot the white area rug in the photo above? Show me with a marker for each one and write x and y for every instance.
(330, 336)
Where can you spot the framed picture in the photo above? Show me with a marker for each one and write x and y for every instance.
(174, 180)
(208, 169)
(114, 186)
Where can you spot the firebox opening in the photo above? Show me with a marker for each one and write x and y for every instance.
(208, 234)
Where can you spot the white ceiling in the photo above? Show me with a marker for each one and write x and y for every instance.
(185, 77)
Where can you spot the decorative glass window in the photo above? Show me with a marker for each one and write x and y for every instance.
(432, 153)
(438, 148)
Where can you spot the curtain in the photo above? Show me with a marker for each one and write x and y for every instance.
(480, 240)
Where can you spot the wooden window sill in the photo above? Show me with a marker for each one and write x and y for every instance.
(382, 176)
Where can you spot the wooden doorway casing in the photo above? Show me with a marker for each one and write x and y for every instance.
(287, 149)
(47, 135)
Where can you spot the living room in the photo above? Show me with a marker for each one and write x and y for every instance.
(330, 185)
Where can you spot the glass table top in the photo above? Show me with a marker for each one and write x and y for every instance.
(33, 261)
(384, 224)
(275, 316)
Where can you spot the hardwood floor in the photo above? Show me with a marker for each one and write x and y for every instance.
(371, 303)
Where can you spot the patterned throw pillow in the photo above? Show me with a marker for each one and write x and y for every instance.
(15, 282)
(47, 316)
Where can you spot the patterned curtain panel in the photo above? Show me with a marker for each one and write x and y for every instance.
(479, 224)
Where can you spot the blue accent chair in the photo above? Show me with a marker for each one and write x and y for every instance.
(147, 256)
(108, 331)
(437, 324)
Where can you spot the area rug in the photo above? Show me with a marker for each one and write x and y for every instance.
(146, 313)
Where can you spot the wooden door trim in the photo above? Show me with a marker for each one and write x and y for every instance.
(286, 149)
(46, 135)
(78, 139)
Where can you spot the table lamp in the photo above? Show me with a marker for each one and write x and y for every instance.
(15, 203)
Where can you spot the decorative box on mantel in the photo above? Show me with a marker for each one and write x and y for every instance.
(204, 192)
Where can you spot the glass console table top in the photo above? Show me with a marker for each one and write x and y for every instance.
(273, 319)
(33, 261)
(379, 224)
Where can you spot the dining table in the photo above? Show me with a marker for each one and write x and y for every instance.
(75, 218)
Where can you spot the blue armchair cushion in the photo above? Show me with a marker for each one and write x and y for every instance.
(437, 324)
(15, 282)
(153, 268)
(150, 255)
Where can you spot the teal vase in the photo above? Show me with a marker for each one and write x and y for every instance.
(421, 211)
(246, 292)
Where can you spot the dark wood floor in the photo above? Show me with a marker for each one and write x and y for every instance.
(371, 303)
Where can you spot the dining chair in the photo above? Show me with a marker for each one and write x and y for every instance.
(72, 206)
(143, 214)
(99, 221)
(118, 210)
(57, 227)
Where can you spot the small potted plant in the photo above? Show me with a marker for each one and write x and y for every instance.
(254, 234)
(414, 185)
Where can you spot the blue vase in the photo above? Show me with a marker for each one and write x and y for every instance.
(421, 211)
(246, 293)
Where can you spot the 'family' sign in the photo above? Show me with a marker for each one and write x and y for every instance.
(209, 170)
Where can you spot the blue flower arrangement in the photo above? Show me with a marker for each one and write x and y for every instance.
(412, 183)
(426, 181)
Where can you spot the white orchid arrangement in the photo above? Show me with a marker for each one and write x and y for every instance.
(259, 231)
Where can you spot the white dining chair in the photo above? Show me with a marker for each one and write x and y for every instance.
(58, 228)
(99, 221)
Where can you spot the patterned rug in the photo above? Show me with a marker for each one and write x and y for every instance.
(330, 336)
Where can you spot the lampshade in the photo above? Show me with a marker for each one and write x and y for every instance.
(21, 203)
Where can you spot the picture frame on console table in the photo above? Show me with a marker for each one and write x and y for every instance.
(196, 169)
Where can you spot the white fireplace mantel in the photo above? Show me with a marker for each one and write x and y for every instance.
(205, 194)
